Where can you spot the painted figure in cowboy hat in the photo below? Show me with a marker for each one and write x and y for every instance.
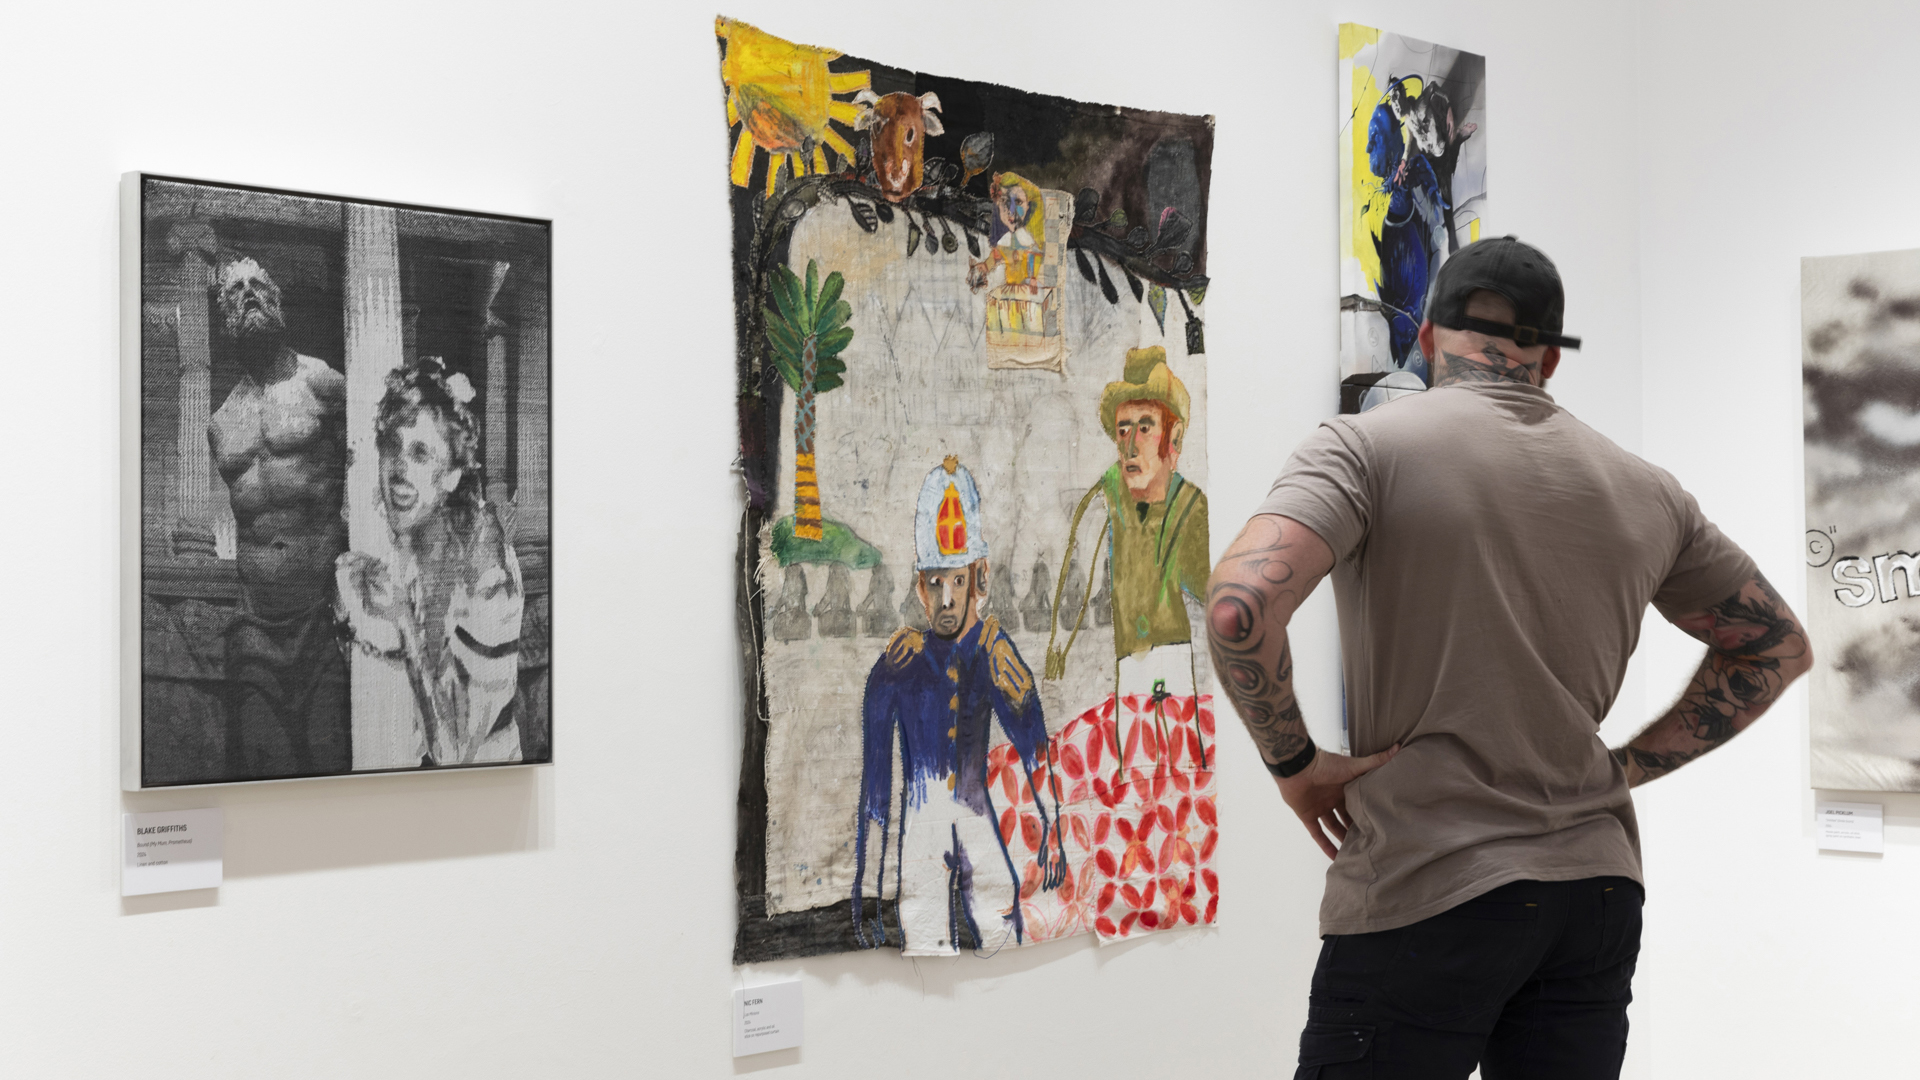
(1156, 521)
(935, 695)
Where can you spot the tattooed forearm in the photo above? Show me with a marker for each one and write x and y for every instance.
(1254, 591)
(1492, 364)
(1288, 735)
(1651, 764)
(1260, 685)
(1756, 647)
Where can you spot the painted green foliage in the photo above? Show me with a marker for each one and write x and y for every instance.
(806, 336)
(809, 314)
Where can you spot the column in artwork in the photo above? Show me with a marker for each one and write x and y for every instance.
(387, 730)
(530, 416)
(193, 528)
(495, 439)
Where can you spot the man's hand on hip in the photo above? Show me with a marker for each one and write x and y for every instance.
(1318, 793)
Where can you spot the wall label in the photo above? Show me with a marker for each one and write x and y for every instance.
(1845, 826)
(171, 851)
(766, 1018)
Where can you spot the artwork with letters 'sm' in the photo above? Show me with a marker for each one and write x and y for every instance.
(971, 352)
(1860, 321)
(335, 534)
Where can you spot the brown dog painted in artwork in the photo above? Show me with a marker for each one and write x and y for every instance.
(898, 126)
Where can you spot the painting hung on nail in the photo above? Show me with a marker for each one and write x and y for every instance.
(337, 515)
(972, 404)
(1860, 366)
(1413, 190)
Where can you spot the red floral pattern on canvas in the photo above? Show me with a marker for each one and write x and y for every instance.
(1138, 821)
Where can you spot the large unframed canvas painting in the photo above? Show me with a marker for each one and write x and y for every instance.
(1860, 319)
(342, 486)
(1413, 187)
(972, 364)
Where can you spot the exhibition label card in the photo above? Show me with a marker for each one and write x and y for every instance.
(1848, 826)
(766, 1018)
(171, 851)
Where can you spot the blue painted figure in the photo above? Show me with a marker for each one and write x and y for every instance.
(1409, 237)
(934, 695)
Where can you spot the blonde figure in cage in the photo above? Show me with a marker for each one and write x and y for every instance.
(1026, 310)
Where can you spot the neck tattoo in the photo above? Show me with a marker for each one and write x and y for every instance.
(1492, 365)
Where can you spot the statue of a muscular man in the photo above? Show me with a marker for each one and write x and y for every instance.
(279, 441)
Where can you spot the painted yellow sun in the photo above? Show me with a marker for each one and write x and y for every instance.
(782, 96)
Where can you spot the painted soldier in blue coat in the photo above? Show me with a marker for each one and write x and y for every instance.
(930, 704)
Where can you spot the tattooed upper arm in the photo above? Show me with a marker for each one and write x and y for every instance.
(1267, 572)
(1752, 624)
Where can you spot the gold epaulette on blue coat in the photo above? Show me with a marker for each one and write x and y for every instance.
(905, 644)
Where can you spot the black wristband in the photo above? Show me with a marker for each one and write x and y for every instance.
(1293, 764)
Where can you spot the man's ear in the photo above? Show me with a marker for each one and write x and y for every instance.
(920, 587)
(450, 479)
(1428, 349)
(1549, 361)
(980, 574)
(1178, 432)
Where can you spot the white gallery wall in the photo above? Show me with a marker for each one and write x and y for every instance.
(1765, 139)
(577, 921)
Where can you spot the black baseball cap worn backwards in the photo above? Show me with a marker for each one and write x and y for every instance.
(1520, 272)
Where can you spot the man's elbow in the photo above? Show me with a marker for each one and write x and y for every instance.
(1799, 663)
(1237, 610)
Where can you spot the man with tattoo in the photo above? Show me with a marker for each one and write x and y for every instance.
(1491, 559)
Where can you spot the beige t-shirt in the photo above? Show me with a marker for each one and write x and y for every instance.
(1494, 557)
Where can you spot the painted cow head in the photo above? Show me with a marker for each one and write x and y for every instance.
(898, 126)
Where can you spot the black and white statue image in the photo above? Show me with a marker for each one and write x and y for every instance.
(344, 525)
(279, 443)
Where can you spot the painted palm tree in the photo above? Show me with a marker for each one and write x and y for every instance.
(807, 334)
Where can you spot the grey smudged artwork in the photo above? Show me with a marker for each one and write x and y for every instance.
(1860, 320)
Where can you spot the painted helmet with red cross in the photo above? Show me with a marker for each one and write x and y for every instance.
(947, 527)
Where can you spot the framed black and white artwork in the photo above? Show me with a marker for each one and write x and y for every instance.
(336, 514)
